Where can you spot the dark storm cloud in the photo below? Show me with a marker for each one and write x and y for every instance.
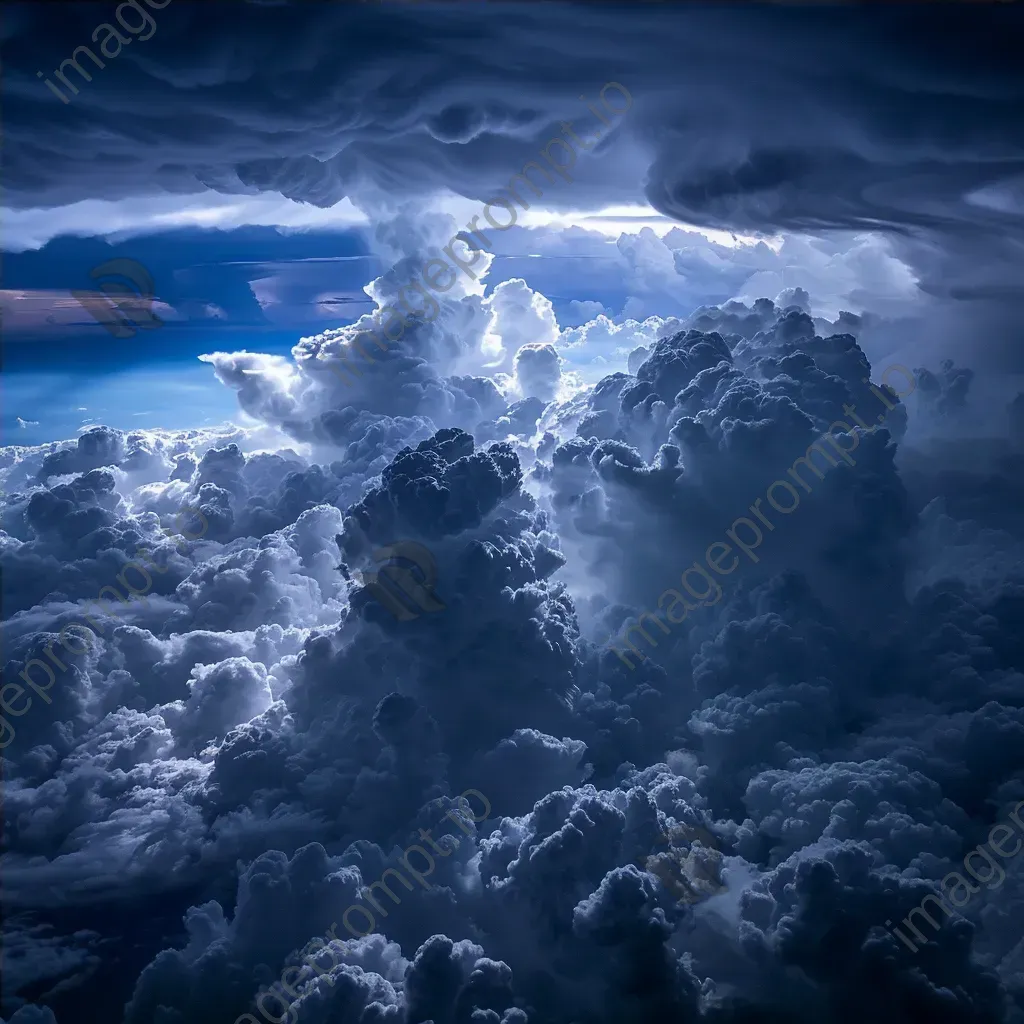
(871, 118)
(751, 117)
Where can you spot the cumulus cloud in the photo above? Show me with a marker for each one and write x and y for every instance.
(538, 371)
(831, 730)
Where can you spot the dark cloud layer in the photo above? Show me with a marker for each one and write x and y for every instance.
(744, 116)
(873, 118)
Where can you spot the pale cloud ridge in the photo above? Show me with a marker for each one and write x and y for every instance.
(33, 227)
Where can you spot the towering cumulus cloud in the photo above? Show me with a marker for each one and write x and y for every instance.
(503, 668)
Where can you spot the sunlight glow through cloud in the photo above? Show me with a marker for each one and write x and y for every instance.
(616, 220)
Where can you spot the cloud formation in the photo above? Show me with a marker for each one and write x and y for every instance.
(890, 119)
(243, 757)
(825, 740)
